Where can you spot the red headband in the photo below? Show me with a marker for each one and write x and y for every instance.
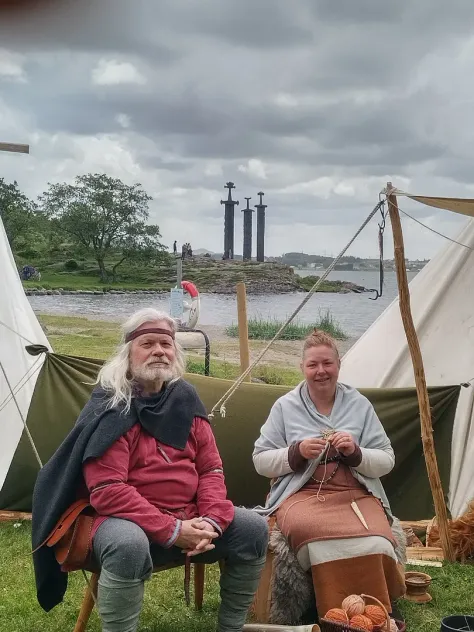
(152, 330)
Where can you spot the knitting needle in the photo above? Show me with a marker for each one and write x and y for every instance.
(358, 513)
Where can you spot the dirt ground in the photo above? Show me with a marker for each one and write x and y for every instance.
(282, 352)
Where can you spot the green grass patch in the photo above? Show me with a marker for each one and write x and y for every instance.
(71, 281)
(164, 609)
(451, 590)
(307, 282)
(73, 335)
(81, 336)
(230, 371)
(260, 329)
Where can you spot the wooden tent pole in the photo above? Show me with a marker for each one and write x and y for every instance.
(420, 380)
(243, 329)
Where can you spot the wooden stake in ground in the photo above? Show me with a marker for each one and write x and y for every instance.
(420, 380)
(243, 329)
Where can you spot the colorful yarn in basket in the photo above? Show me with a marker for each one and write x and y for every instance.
(376, 615)
(362, 622)
(337, 614)
(353, 604)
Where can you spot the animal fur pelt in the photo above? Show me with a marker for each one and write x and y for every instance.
(292, 587)
(461, 532)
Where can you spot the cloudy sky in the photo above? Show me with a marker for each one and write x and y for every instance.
(318, 103)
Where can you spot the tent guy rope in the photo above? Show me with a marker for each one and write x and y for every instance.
(228, 394)
(433, 230)
(16, 333)
(34, 368)
(28, 434)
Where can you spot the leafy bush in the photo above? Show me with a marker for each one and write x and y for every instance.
(29, 253)
(71, 265)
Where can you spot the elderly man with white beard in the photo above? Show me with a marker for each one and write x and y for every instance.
(144, 451)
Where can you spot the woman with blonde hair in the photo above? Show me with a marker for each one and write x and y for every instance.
(326, 450)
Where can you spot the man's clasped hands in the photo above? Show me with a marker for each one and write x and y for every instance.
(196, 536)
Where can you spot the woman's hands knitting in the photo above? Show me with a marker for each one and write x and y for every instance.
(343, 442)
(312, 448)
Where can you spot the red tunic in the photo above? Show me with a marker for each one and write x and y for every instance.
(157, 486)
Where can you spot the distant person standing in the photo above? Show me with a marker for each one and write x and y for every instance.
(175, 247)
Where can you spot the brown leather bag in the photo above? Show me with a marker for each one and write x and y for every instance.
(71, 536)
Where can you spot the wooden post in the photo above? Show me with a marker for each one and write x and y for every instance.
(420, 380)
(243, 329)
(14, 147)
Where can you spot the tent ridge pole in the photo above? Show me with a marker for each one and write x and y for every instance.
(420, 379)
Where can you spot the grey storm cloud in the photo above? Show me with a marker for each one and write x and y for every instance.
(314, 92)
(381, 135)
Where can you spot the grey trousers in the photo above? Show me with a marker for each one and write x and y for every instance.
(126, 559)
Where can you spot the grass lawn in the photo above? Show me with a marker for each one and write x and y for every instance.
(67, 281)
(98, 339)
(165, 609)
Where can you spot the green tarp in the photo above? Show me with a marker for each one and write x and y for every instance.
(65, 383)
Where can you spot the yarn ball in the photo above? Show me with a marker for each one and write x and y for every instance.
(362, 622)
(393, 626)
(353, 604)
(337, 614)
(376, 615)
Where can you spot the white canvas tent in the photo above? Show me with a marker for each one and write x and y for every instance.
(18, 370)
(442, 302)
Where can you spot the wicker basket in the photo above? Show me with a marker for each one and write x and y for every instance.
(339, 626)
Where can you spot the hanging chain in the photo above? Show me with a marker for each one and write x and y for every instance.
(378, 293)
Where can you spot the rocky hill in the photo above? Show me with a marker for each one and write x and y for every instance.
(221, 277)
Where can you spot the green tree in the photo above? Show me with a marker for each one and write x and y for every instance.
(17, 212)
(106, 218)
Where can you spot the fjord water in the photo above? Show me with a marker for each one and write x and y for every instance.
(354, 312)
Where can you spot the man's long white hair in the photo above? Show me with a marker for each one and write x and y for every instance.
(115, 377)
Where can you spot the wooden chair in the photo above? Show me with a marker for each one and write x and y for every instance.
(91, 592)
